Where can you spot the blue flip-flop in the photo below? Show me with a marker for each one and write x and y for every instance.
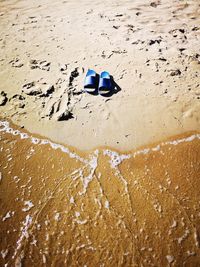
(105, 85)
(90, 83)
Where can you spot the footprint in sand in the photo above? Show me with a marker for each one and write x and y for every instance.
(38, 88)
(61, 104)
(16, 63)
(74, 74)
(58, 100)
(75, 82)
(58, 107)
(17, 101)
(39, 64)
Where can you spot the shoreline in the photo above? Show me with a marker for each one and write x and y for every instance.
(152, 129)
(145, 149)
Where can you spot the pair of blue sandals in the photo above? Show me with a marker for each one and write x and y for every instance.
(95, 83)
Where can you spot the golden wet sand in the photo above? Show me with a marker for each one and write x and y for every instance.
(61, 207)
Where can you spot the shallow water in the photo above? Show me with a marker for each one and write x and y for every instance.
(64, 207)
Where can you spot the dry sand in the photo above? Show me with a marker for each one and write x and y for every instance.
(150, 48)
(123, 188)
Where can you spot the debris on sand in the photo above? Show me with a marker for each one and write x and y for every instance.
(175, 72)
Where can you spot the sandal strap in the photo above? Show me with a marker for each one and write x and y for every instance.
(90, 81)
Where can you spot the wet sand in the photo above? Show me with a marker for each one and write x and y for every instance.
(62, 207)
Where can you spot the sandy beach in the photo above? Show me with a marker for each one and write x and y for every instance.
(88, 180)
(152, 51)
